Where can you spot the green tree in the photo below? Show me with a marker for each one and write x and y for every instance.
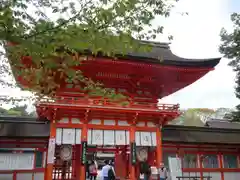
(3, 111)
(193, 117)
(230, 48)
(21, 109)
(17, 111)
(188, 118)
(57, 33)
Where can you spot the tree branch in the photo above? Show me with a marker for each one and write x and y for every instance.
(58, 26)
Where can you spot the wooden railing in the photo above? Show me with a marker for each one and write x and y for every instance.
(101, 102)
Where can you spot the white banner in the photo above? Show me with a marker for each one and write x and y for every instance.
(51, 150)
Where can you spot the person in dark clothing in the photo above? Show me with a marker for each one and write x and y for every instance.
(145, 169)
(87, 168)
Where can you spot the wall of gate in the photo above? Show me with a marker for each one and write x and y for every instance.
(104, 137)
(22, 164)
(100, 133)
(220, 162)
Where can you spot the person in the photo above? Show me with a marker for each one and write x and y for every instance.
(93, 171)
(145, 170)
(111, 171)
(107, 172)
(87, 168)
(162, 172)
(111, 163)
(147, 174)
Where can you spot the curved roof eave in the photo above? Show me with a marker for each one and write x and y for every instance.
(180, 62)
(161, 53)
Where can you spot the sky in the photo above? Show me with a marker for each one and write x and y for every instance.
(196, 35)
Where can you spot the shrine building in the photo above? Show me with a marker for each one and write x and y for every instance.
(72, 126)
(195, 151)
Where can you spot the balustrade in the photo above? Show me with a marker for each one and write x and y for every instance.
(108, 103)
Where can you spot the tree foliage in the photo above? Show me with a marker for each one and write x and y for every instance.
(230, 47)
(194, 117)
(17, 111)
(56, 33)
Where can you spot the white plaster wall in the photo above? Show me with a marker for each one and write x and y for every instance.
(16, 161)
(214, 175)
(39, 176)
(6, 176)
(24, 176)
(232, 175)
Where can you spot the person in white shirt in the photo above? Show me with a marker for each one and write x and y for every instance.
(162, 172)
(105, 171)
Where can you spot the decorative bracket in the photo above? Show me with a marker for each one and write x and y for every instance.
(135, 119)
(54, 115)
(86, 116)
(159, 123)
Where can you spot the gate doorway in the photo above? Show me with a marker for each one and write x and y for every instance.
(118, 156)
(67, 167)
(65, 162)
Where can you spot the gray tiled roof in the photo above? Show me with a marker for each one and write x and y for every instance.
(226, 124)
(17, 127)
(14, 127)
(203, 135)
(161, 54)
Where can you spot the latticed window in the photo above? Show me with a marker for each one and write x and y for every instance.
(39, 159)
(230, 161)
(210, 161)
(190, 161)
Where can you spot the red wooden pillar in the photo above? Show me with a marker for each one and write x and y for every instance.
(159, 152)
(220, 162)
(200, 165)
(50, 152)
(83, 139)
(238, 160)
(120, 165)
(132, 143)
(128, 162)
(77, 161)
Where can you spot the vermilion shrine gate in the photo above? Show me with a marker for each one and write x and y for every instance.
(80, 124)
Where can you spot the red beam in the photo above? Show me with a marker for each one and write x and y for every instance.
(22, 171)
(166, 145)
(210, 170)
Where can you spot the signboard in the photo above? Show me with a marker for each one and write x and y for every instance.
(133, 153)
(84, 152)
(51, 150)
